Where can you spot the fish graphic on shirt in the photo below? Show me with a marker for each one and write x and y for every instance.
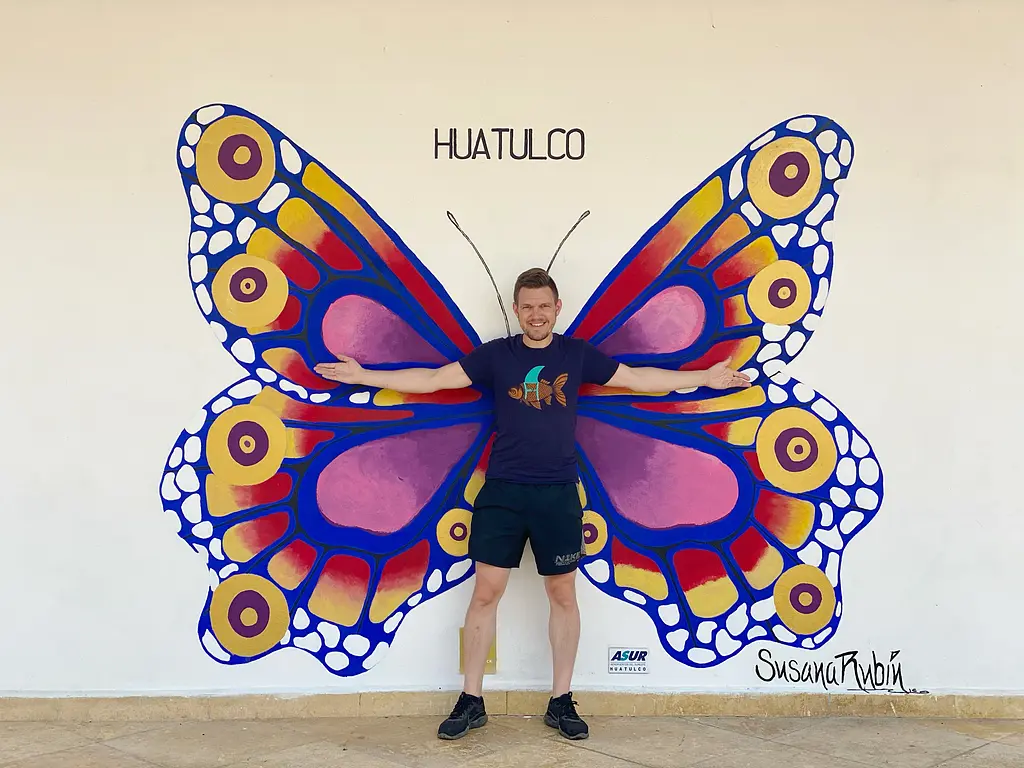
(535, 390)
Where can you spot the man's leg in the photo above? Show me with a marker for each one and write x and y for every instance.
(497, 538)
(556, 533)
(477, 635)
(481, 624)
(563, 629)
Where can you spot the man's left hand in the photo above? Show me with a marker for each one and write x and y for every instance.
(721, 376)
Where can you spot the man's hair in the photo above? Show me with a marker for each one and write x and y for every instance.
(534, 278)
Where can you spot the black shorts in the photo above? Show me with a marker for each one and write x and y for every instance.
(506, 514)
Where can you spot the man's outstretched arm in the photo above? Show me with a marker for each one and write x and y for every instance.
(410, 380)
(649, 380)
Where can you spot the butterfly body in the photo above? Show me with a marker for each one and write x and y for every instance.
(326, 512)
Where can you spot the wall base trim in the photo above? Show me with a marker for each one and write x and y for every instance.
(270, 707)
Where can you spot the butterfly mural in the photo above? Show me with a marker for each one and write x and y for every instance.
(327, 512)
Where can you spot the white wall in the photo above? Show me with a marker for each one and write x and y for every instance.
(105, 355)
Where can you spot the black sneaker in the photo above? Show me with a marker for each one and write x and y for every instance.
(562, 715)
(468, 713)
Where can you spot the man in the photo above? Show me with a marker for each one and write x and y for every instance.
(530, 488)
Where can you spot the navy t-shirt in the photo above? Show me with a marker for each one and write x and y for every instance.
(535, 392)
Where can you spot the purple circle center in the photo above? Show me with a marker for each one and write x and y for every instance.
(782, 443)
(248, 443)
(459, 532)
(805, 589)
(780, 183)
(230, 166)
(589, 533)
(249, 599)
(775, 297)
(248, 285)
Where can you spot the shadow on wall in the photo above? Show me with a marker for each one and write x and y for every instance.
(329, 511)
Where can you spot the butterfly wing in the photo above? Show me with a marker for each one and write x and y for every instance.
(739, 268)
(724, 516)
(326, 512)
(291, 267)
(322, 525)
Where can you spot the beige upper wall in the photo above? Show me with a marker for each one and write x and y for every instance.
(106, 355)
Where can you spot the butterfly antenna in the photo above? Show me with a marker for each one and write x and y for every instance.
(581, 218)
(497, 293)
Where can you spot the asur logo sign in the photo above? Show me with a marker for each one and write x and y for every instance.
(627, 661)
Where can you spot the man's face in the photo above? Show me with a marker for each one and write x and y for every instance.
(537, 310)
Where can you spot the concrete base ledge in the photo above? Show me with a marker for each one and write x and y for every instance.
(266, 707)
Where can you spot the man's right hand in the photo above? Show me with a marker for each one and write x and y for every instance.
(346, 370)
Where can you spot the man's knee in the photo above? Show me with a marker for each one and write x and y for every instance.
(561, 589)
(489, 585)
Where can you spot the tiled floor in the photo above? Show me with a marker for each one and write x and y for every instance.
(714, 742)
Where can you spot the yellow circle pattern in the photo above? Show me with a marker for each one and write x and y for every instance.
(780, 293)
(804, 599)
(246, 445)
(784, 177)
(595, 532)
(250, 292)
(453, 531)
(795, 450)
(248, 614)
(235, 160)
